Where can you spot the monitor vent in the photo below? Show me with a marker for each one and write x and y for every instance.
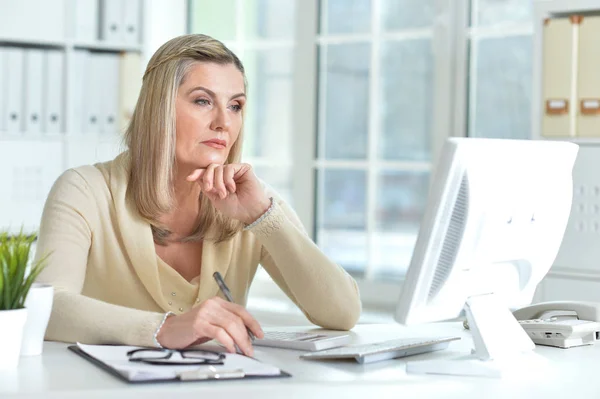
(452, 239)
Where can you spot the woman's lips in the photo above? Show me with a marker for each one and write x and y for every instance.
(219, 144)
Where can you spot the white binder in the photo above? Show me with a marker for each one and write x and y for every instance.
(557, 78)
(53, 93)
(111, 21)
(86, 20)
(34, 81)
(2, 91)
(14, 90)
(131, 21)
(92, 93)
(77, 87)
(588, 88)
(109, 99)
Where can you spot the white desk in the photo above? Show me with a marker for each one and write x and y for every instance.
(58, 373)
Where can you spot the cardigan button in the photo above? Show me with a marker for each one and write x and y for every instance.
(170, 303)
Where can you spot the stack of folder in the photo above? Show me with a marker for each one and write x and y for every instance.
(571, 77)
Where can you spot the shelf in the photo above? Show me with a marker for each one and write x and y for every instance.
(10, 136)
(570, 6)
(40, 42)
(105, 46)
(62, 44)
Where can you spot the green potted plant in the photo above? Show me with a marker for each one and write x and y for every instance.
(16, 277)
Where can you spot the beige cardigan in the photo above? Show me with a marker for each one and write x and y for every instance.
(111, 286)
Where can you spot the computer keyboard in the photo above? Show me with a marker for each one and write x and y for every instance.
(375, 352)
(303, 341)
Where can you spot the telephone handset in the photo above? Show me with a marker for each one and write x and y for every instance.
(561, 323)
(568, 309)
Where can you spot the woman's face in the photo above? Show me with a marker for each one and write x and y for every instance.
(209, 114)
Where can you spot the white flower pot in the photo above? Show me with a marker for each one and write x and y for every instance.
(39, 307)
(11, 333)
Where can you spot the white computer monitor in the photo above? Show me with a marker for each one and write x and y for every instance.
(495, 218)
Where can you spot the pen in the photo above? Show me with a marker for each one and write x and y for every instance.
(225, 290)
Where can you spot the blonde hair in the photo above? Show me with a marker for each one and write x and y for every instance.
(151, 137)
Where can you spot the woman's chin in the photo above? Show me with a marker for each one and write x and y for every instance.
(206, 163)
(202, 161)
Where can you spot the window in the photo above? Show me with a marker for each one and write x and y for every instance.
(500, 64)
(261, 33)
(374, 149)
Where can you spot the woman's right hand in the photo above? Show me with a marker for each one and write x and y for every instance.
(214, 318)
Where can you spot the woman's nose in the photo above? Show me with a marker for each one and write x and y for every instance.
(221, 120)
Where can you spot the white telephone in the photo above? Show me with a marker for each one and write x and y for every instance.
(562, 324)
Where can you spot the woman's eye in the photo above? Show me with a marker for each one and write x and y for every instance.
(236, 107)
(202, 101)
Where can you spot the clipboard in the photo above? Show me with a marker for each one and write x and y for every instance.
(184, 376)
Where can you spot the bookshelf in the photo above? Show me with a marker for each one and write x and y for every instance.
(83, 59)
(575, 274)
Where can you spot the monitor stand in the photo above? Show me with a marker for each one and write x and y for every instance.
(502, 347)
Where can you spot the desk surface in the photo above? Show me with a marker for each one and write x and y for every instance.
(58, 373)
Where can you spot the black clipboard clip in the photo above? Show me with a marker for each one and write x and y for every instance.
(210, 374)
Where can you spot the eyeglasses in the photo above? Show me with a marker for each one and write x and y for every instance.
(175, 356)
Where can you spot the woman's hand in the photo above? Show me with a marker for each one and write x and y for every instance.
(214, 318)
(234, 190)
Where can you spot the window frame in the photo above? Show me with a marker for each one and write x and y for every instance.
(473, 34)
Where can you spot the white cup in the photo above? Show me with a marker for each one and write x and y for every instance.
(39, 306)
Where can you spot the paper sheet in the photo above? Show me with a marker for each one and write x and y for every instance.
(116, 357)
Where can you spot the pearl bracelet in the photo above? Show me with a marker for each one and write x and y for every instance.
(158, 345)
(263, 216)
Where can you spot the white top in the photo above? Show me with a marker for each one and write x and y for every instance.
(58, 373)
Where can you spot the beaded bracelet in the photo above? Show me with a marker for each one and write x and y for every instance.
(158, 345)
(263, 216)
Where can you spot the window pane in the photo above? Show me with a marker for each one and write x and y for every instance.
(341, 227)
(502, 105)
(272, 19)
(214, 18)
(346, 85)
(268, 114)
(407, 14)
(345, 16)
(399, 210)
(406, 103)
(501, 11)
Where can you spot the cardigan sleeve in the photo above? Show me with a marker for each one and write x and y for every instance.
(65, 235)
(325, 292)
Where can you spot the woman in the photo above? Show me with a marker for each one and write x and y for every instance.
(134, 242)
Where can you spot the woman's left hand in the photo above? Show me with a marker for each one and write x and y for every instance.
(233, 189)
